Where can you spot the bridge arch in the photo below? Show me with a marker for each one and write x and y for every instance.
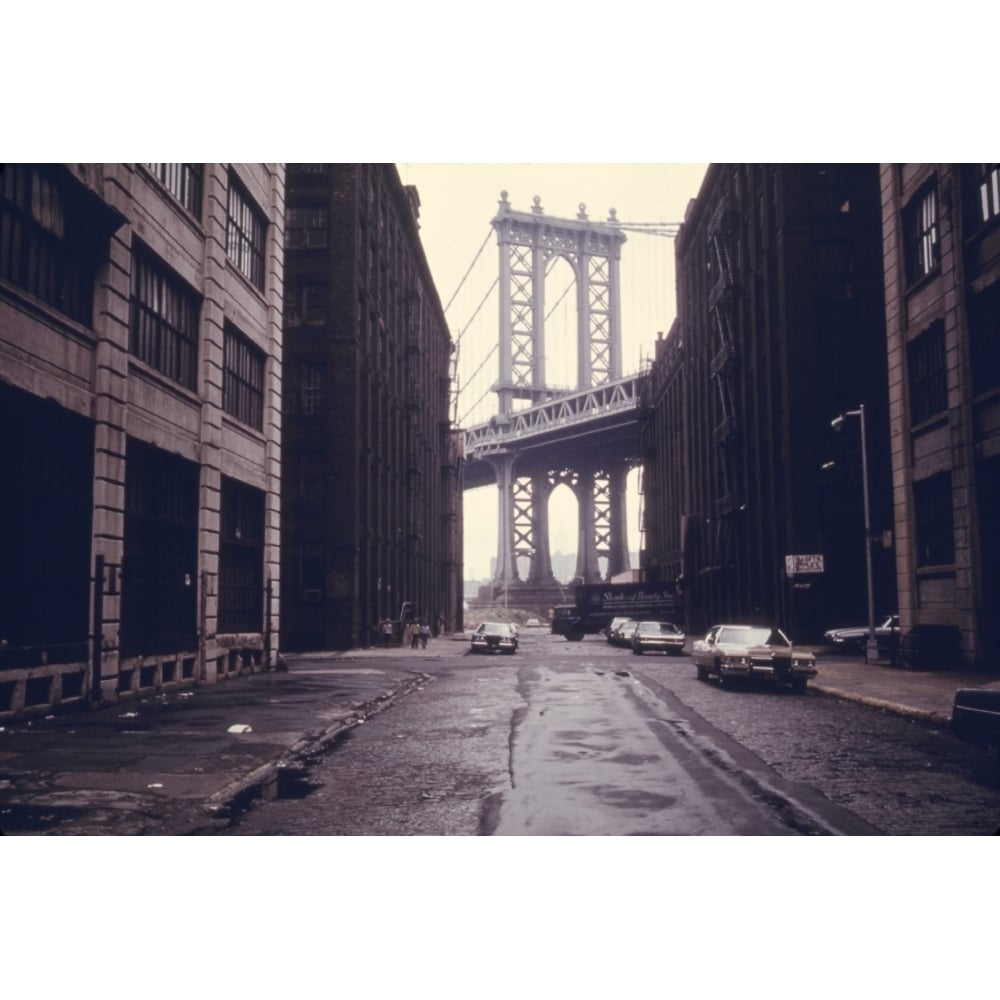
(582, 429)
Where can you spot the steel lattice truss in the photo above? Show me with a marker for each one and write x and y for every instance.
(602, 512)
(521, 316)
(524, 533)
(600, 320)
(564, 411)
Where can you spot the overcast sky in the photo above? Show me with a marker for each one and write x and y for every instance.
(458, 200)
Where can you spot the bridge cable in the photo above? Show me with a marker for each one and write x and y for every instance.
(464, 330)
(461, 422)
(471, 266)
(493, 350)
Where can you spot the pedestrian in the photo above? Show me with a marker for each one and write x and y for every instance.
(425, 634)
(412, 633)
(386, 632)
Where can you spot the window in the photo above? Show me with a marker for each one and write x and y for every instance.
(245, 229)
(935, 521)
(928, 374)
(46, 243)
(305, 227)
(984, 339)
(312, 571)
(988, 191)
(241, 559)
(160, 565)
(242, 379)
(312, 478)
(182, 180)
(308, 168)
(305, 305)
(163, 319)
(309, 395)
(921, 233)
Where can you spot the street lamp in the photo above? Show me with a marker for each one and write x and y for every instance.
(871, 645)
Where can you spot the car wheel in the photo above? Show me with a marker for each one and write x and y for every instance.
(723, 679)
(637, 650)
(702, 673)
(799, 685)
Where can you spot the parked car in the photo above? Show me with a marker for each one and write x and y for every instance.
(855, 636)
(614, 631)
(975, 716)
(664, 636)
(495, 637)
(729, 651)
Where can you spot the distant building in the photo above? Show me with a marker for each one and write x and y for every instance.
(371, 511)
(941, 233)
(140, 388)
(780, 327)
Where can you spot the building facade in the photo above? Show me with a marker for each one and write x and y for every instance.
(371, 524)
(941, 232)
(752, 504)
(140, 389)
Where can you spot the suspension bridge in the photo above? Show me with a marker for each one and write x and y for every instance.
(546, 382)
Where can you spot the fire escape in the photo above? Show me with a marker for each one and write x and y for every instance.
(728, 432)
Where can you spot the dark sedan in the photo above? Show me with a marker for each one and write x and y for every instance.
(495, 637)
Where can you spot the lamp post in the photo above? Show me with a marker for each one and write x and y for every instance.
(871, 645)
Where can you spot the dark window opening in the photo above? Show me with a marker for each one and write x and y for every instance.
(46, 454)
(183, 181)
(241, 559)
(163, 320)
(934, 520)
(246, 226)
(305, 305)
(312, 572)
(984, 339)
(160, 566)
(928, 374)
(243, 379)
(50, 243)
(920, 224)
(305, 228)
(987, 191)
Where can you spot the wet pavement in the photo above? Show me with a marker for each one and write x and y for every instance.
(182, 762)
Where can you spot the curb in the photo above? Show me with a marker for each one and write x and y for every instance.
(263, 781)
(894, 708)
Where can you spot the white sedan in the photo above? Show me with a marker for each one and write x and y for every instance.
(730, 651)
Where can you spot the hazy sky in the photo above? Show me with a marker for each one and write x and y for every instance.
(458, 200)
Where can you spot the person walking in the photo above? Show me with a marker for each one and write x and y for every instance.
(386, 632)
(425, 634)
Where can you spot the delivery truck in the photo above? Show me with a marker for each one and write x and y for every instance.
(595, 604)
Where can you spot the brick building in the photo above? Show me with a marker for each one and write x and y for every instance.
(140, 386)
(941, 233)
(371, 524)
(780, 327)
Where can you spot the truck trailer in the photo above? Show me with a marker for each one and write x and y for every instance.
(595, 604)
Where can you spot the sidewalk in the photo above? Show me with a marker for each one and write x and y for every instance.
(182, 762)
(919, 694)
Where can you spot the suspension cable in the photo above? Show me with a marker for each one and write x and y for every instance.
(496, 281)
(469, 271)
(474, 405)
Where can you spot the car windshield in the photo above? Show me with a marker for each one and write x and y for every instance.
(752, 636)
(494, 628)
(659, 627)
